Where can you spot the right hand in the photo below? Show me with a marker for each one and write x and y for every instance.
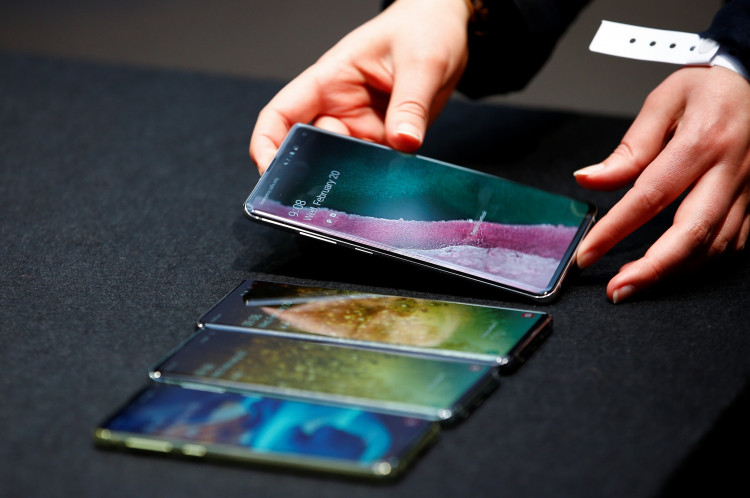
(384, 82)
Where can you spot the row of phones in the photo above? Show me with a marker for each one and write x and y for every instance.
(323, 379)
(366, 196)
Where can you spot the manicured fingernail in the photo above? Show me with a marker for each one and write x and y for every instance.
(409, 130)
(624, 292)
(594, 168)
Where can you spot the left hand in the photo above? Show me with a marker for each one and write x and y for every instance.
(692, 134)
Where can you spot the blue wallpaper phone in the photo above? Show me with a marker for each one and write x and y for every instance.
(370, 197)
(261, 429)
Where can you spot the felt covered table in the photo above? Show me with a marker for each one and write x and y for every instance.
(121, 223)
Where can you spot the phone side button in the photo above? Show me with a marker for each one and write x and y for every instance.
(317, 237)
(138, 443)
(363, 250)
(194, 450)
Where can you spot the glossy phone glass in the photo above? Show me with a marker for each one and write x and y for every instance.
(367, 196)
(498, 336)
(294, 368)
(170, 419)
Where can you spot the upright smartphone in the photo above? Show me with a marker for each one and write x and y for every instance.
(299, 369)
(259, 429)
(502, 337)
(380, 201)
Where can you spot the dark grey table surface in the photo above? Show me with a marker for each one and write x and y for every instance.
(121, 193)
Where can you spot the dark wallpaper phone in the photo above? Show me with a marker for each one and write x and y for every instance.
(468, 222)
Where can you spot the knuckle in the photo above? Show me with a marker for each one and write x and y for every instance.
(624, 150)
(719, 246)
(653, 269)
(413, 107)
(701, 232)
(651, 198)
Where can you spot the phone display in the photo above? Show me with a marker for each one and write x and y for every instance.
(260, 429)
(498, 336)
(447, 217)
(294, 368)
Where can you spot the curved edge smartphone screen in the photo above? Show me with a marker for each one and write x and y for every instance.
(254, 428)
(294, 368)
(485, 334)
(441, 215)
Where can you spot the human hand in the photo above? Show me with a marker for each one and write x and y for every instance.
(692, 135)
(383, 82)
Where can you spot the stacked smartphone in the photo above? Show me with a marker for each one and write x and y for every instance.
(323, 379)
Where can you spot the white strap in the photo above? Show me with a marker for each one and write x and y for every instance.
(658, 45)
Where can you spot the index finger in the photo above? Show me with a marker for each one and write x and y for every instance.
(672, 172)
(298, 102)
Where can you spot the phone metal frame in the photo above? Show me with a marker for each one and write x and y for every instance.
(447, 415)
(364, 247)
(387, 468)
(506, 363)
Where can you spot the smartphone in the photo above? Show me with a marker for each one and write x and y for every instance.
(377, 200)
(260, 429)
(502, 337)
(293, 368)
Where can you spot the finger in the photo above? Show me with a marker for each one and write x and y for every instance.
(741, 240)
(733, 234)
(641, 144)
(298, 102)
(416, 84)
(673, 171)
(267, 136)
(705, 225)
(670, 253)
(332, 124)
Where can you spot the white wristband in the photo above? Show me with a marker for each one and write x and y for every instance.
(658, 45)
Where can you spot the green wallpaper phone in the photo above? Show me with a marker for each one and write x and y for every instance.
(298, 369)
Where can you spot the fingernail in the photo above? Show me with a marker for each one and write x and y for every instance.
(589, 169)
(409, 130)
(624, 292)
(584, 259)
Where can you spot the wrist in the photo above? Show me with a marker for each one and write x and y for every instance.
(463, 9)
(724, 58)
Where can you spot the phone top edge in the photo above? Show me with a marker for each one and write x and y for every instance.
(380, 347)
